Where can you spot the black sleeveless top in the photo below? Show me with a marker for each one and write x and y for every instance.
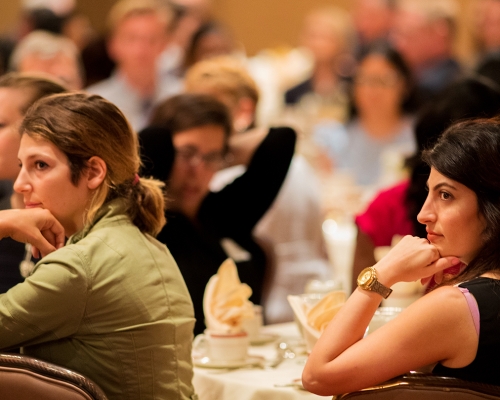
(486, 366)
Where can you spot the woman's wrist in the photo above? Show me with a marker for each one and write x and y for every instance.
(385, 274)
(369, 280)
(5, 224)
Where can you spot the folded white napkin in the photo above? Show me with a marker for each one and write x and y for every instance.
(225, 302)
(320, 315)
(313, 320)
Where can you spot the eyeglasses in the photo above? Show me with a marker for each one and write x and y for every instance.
(387, 81)
(191, 156)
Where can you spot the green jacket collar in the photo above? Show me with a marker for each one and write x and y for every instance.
(108, 210)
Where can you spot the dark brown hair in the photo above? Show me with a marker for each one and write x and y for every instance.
(469, 153)
(471, 97)
(187, 111)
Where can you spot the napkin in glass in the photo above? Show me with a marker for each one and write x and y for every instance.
(320, 315)
(312, 320)
(225, 302)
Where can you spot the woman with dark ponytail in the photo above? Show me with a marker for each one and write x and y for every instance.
(111, 304)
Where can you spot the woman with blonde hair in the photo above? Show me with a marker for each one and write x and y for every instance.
(112, 303)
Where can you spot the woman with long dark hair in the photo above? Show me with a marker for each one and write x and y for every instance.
(462, 218)
(394, 210)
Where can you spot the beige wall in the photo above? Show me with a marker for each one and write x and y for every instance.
(9, 14)
(257, 24)
(267, 23)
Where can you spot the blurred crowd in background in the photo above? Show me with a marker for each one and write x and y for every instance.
(352, 89)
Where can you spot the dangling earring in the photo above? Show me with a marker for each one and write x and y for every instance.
(26, 266)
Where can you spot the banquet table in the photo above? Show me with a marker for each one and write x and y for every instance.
(260, 381)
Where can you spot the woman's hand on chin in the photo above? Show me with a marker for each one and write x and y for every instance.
(35, 226)
(412, 259)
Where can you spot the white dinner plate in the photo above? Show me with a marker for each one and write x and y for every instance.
(264, 338)
(206, 362)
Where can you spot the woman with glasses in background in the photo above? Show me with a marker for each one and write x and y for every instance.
(188, 141)
(379, 124)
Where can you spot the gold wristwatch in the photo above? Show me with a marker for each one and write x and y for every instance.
(367, 280)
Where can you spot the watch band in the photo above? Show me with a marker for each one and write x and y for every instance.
(384, 291)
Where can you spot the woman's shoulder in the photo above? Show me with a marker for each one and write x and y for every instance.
(442, 308)
(67, 254)
(67, 264)
(483, 287)
(442, 305)
(444, 293)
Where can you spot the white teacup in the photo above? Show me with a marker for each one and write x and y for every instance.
(252, 325)
(222, 346)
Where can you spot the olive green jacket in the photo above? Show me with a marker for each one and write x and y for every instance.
(111, 305)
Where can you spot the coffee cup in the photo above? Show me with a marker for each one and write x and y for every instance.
(222, 346)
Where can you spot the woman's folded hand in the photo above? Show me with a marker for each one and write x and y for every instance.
(35, 226)
(411, 259)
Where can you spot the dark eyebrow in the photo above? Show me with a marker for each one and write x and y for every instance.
(33, 156)
(443, 184)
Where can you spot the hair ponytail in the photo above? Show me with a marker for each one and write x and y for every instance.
(146, 206)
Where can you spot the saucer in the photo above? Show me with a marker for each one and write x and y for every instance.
(263, 338)
(205, 362)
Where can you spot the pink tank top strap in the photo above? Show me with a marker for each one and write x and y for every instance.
(472, 303)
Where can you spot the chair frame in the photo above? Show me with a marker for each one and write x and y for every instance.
(12, 361)
(423, 381)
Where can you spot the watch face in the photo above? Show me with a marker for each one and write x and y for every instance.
(365, 277)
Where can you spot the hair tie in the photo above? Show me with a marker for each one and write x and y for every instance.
(136, 179)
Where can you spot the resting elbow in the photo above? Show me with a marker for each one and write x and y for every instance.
(330, 380)
(318, 383)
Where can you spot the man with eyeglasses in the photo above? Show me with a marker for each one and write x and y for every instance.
(190, 143)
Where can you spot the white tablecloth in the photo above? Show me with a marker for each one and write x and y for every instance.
(253, 383)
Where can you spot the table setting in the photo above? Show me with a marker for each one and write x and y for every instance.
(272, 370)
(237, 357)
